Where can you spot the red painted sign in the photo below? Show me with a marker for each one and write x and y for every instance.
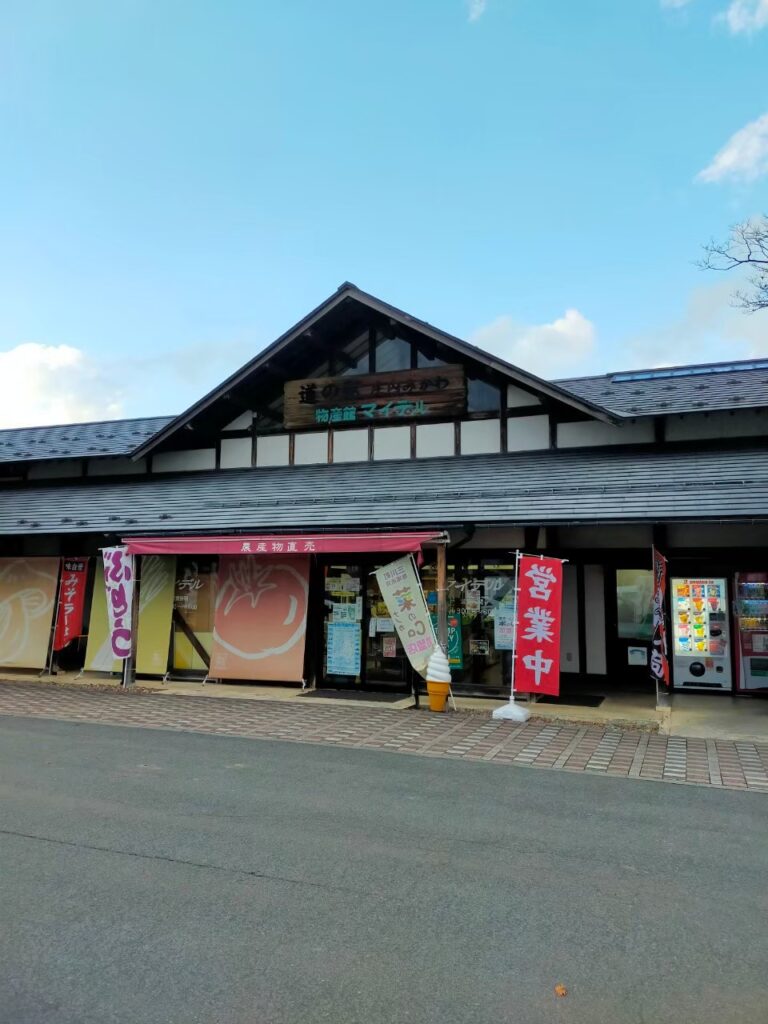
(280, 544)
(539, 613)
(69, 620)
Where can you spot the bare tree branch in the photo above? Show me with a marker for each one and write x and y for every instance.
(746, 246)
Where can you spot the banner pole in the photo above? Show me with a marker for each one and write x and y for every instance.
(55, 618)
(513, 712)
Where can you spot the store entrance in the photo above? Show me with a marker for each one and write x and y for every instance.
(360, 647)
(629, 604)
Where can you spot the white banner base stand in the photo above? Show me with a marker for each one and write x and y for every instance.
(511, 712)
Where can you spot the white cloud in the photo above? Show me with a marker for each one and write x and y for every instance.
(744, 156)
(710, 329)
(476, 9)
(746, 16)
(549, 350)
(46, 384)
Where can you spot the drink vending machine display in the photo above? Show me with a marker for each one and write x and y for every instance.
(751, 606)
(700, 631)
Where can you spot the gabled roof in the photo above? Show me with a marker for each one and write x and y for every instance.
(557, 487)
(701, 387)
(78, 440)
(350, 293)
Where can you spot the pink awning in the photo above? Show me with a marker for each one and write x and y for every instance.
(281, 544)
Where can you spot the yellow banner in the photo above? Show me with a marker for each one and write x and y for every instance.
(157, 577)
(27, 594)
(98, 650)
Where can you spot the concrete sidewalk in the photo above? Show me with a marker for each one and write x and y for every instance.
(540, 743)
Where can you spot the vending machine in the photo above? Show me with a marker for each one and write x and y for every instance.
(700, 634)
(751, 608)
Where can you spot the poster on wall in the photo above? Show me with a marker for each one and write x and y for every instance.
(260, 619)
(118, 580)
(401, 590)
(504, 628)
(343, 647)
(69, 614)
(98, 650)
(540, 583)
(455, 644)
(27, 596)
(156, 592)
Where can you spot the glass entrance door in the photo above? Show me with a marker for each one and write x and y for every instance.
(633, 631)
(360, 646)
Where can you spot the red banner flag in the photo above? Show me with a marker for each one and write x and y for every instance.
(69, 619)
(659, 659)
(539, 612)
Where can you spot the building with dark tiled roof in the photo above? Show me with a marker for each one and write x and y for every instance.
(363, 431)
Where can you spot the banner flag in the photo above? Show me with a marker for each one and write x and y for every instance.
(401, 591)
(69, 620)
(659, 659)
(27, 598)
(98, 649)
(540, 598)
(118, 579)
(153, 638)
(260, 619)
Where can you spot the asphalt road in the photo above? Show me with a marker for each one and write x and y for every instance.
(154, 877)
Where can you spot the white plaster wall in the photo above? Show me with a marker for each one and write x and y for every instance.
(309, 449)
(527, 433)
(591, 433)
(617, 536)
(594, 614)
(115, 467)
(435, 439)
(55, 470)
(184, 462)
(391, 443)
(517, 398)
(272, 450)
(350, 446)
(479, 437)
(703, 426)
(236, 452)
(243, 422)
(569, 632)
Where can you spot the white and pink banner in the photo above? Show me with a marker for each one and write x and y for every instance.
(118, 578)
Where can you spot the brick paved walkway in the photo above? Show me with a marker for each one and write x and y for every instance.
(540, 743)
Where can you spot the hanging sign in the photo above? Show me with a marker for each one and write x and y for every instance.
(27, 599)
(372, 397)
(69, 621)
(260, 619)
(118, 577)
(404, 598)
(659, 660)
(540, 584)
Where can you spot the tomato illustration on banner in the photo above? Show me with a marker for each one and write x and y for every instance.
(540, 599)
(260, 618)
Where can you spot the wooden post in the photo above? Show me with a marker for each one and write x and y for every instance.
(442, 597)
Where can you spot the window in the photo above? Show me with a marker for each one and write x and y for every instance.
(634, 597)
(482, 396)
(392, 354)
(354, 357)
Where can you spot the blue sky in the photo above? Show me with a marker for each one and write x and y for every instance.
(181, 180)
